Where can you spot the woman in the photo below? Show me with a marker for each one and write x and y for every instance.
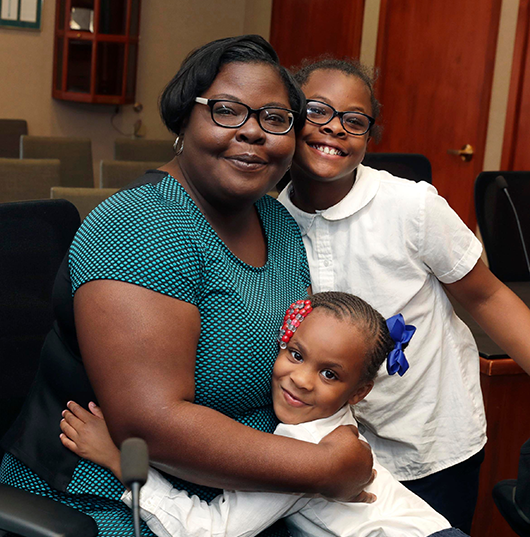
(397, 245)
(179, 283)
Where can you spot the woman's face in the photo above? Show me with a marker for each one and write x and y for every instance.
(327, 153)
(228, 167)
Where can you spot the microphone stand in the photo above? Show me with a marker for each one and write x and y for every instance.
(503, 185)
(135, 489)
(134, 469)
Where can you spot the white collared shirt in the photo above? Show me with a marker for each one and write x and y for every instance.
(392, 241)
(397, 512)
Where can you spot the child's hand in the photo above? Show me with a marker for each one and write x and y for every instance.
(86, 434)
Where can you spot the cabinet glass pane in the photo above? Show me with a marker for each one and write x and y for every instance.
(82, 15)
(59, 55)
(131, 70)
(135, 18)
(110, 66)
(79, 62)
(113, 17)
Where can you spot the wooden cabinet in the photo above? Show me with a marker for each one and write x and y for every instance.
(96, 50)
(505, 387)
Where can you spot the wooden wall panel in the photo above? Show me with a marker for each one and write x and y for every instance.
(436, 68)
(307, 28)
(516, 154)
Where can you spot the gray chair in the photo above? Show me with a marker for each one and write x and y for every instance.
(145, 150)
(85, 199)
(10, 132)
(75, 155)
(27, 179)
(119, 173)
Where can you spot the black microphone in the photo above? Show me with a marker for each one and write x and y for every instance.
(503, 185)
(134, 469)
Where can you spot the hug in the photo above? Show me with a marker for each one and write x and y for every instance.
(243, 337)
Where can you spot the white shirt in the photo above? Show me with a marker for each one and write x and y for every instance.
(392, 241)
(397, 512)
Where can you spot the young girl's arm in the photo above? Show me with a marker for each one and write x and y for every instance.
(499, 311)
(170, 512)
(86, 434)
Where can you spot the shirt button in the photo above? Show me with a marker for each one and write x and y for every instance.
(327, 263)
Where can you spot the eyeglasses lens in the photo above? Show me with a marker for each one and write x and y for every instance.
(273, 120)
(353, 122)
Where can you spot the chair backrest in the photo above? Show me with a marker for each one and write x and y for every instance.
(407, 165)
(35, 238)
(119, 173)
(145, 150)
(85, 199)
(75, 155)
(10, 132)
(27, 179)
(498, 225)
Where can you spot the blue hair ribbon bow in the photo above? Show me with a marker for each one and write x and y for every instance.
(401, 333)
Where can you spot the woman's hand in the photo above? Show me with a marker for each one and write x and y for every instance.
(352, 463)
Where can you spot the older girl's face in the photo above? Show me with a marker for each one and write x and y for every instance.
(228, 167)
(327, 153)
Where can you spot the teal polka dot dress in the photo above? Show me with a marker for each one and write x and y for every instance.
(152, 234)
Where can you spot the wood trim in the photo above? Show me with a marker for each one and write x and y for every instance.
(126, 53)
(521, 48)
(503, 366)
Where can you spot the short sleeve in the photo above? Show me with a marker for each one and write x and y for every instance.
(140, 238)
(448, 247)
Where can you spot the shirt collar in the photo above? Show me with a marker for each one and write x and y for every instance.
(363, 191)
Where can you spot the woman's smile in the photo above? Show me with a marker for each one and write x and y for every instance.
(247, 162)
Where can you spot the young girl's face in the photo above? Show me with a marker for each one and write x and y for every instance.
(320, 370)
(327, 152)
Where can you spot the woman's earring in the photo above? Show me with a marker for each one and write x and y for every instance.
(178, 146)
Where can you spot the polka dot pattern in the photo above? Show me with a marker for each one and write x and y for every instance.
(153, 235)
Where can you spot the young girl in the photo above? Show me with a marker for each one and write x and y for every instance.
(399, 245)
(323, 366)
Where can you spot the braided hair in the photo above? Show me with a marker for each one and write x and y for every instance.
(366, 319)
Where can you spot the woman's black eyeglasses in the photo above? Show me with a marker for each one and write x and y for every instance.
(233, 114)
(355, 123)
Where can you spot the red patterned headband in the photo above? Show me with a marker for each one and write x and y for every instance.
(294, 315)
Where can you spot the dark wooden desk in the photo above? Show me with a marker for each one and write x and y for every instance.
(506, 392)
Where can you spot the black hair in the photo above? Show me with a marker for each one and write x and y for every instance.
(348, 67)
(364, 317)
(200, 68)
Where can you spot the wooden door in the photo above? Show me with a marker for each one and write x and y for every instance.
(516, 154)
(436, 62)
(308, 28)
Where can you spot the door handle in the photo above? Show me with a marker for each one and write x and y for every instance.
(466, 153)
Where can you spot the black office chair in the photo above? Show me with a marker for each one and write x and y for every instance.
(411, 166)
(498, 224)
(35, 236)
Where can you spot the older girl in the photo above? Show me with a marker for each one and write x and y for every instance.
(399, 245)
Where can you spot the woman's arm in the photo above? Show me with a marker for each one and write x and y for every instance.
(499, 311)
(139, 348)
